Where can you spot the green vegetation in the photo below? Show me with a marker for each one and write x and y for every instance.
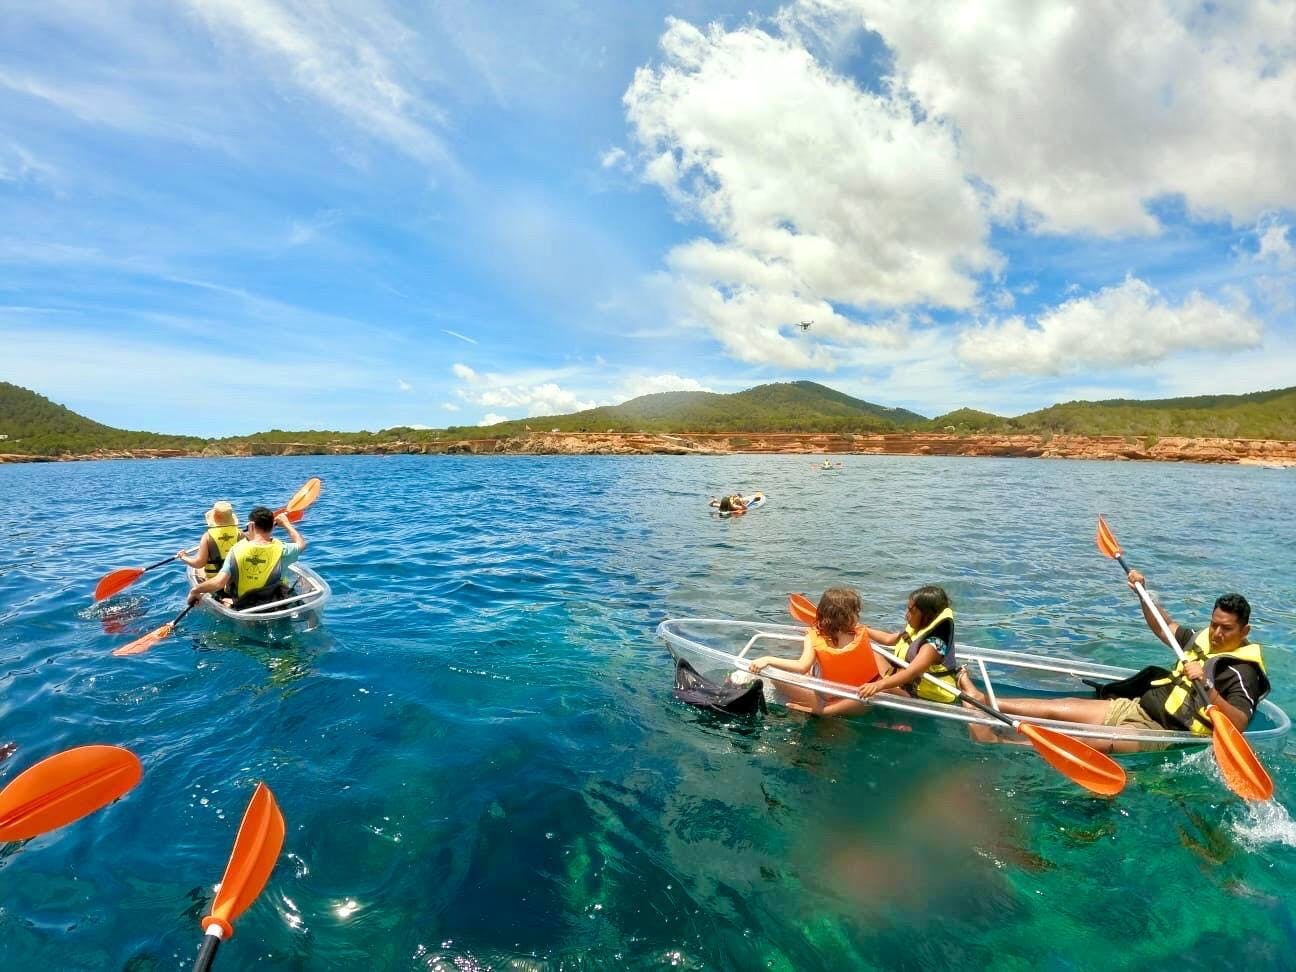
(36, 426)
(798, 406)
(967, 420)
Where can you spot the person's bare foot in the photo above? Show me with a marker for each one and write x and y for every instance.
(979, 732)
(968, 688)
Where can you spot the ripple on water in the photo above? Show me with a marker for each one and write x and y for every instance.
(481, 766)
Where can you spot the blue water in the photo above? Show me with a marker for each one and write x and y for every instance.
(481, 765)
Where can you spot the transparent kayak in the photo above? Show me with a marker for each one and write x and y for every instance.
(717, 648)
(309, 594)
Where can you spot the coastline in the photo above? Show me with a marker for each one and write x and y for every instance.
(1261, 452)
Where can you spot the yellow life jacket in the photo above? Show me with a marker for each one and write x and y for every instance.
(222, 538)
(852, 665)
(256, 565)
(1182, 705)
(942, 670)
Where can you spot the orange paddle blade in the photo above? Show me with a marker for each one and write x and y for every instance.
(802, 608)
(65, 787)
(1077, 761)
(305, 496)
(295, 516)
(1107, 540)
(1237, 760)
(117, 580)
(141, 645)
(256, 849)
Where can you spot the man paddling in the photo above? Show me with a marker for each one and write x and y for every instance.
(1221, 659)
(253, 570)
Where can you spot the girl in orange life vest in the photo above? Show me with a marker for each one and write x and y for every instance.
(837, 650)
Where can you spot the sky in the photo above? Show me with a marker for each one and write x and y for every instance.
(224, 216)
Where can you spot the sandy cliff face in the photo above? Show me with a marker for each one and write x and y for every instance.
(1248, 451)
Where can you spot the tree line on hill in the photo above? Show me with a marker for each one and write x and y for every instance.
(33, 425)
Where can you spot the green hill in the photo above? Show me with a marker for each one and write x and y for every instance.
(1259, 415)
(968, 420)
(36, 426)
(798, 406)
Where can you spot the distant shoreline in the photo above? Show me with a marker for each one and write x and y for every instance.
(1265, 452)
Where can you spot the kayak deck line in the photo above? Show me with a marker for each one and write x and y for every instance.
(310, 593)
(683, 641)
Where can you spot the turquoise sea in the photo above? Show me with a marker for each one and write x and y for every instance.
(481, 765)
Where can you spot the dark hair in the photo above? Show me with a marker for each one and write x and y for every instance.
(1236, 605)
(726, 504)
(838, 613)
(930, 601)
(262, 519)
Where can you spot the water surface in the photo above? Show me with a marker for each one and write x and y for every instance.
(481, 765)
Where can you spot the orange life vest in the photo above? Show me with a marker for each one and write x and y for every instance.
(853, 665)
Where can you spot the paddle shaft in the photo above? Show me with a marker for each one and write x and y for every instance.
(207, 951)
(1166, 633)
(164, 560)
(187, 609)
(952, 689)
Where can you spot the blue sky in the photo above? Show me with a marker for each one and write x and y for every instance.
(220, 217)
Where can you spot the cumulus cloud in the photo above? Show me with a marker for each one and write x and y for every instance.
(1130, 324)
(817, 194)
(527, 391)
(1274, 246)
(490, 418)
(1078, 115)
(449, 407)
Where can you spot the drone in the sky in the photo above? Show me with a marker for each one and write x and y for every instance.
(805, 326)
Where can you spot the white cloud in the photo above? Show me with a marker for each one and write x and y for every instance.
(532, 391)
(1275, 247)
(449, 407)
(456, 334)
(403, 385)
(1080, 114)
(652, 384)
(613, 158)
(358, 62)
(819, 194)
(1123, 326)
(490, 418)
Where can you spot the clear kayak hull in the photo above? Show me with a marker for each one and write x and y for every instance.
(310, 593)
(717, 648)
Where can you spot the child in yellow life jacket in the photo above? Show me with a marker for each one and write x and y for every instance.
(836, 649)
(926, 645)
(217, 540)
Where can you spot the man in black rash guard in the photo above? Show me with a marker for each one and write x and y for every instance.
(1221, 659)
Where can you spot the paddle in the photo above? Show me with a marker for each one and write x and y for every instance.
(256, 848)
(141, 645)
(122, 578)
(1237, 761)
(302, 500)
(1078, 762)
(65, 787)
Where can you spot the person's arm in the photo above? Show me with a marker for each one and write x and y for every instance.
(1135, 577)
(200, 557)
(209, 586)
(885, 638)
(287, 524)
(927, 657)
(1233, 702)
(799, 665)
